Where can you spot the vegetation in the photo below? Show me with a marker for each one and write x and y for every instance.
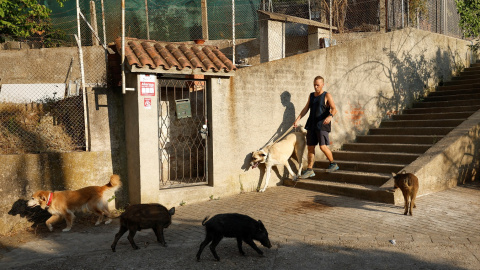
(28, 18)
(469, 11)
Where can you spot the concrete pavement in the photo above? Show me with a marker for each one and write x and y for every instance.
(308, 230)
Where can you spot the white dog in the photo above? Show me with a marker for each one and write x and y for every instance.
(278, 154)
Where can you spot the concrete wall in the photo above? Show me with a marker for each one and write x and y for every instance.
(21, 175)
(370, 80)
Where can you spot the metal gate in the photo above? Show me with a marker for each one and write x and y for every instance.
(182, 118)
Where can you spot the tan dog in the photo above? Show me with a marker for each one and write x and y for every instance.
(278, 154)
(408, 183)
(63, 204)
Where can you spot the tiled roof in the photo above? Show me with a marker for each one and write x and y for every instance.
(171, 56)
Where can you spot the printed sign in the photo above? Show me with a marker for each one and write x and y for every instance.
(147, 103)
(147, 85)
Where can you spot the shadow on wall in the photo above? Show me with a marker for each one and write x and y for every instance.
(409, 73)
(36, 215)
(468, 169)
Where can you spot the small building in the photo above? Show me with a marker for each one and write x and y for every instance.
(168, 117)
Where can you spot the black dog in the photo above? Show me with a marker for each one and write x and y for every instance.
(144, 216)
(242, 227)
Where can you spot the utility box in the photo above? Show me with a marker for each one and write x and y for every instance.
(183, 108)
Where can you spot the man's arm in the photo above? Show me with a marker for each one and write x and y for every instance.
(333, 108)
(303, 112)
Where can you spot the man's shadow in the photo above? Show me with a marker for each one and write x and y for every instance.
(37, 215)
(287, 122)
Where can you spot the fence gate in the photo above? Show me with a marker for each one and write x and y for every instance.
(182, 119)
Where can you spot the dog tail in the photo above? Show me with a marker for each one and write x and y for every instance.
(115, 182)
(204, 220)
(302, 129)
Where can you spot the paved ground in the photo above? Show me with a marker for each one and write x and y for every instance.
(308, 230)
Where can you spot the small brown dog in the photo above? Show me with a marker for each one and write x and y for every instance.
(63, 204)
(408, 183)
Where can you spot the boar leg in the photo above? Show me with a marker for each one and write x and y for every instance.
(405, 198)
(250, 242)
(122, 230)
(205, 242)
(159, 233)
(239, 244)
(131, 234)
(213, 245)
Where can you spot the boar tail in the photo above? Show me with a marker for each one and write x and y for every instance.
(204, 220)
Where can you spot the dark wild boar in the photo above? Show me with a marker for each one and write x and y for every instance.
(408, 184)
(144, 216)
(242, 227)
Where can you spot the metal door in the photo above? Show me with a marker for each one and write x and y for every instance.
(182, 118)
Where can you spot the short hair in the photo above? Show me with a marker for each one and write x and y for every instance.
(319, 78)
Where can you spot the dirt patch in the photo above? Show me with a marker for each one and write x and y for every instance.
(306, 206)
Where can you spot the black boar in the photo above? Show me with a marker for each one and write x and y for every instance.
(242, 227)
(144, 216)
(408, 183)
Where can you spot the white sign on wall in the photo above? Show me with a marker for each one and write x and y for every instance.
(147, 84)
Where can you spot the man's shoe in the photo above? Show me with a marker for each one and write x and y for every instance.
(307, 174)
(333, 167)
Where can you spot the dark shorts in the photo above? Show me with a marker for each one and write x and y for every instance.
(315, 137)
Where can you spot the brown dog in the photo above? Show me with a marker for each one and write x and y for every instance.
(63, 204)
(408, 183)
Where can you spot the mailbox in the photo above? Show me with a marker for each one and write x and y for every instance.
(183, 108)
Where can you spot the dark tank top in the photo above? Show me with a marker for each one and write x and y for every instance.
(318, 112)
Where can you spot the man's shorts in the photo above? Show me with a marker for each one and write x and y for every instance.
(315, 137)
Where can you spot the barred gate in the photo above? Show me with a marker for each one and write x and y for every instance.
(182, 118)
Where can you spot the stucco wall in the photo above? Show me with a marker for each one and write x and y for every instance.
(370, 79)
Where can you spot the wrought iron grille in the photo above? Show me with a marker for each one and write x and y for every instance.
(182, 149)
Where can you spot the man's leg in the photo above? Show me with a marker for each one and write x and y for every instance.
(311, 156)
(324, 142)
(327, 153)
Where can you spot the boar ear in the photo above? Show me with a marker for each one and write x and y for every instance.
(171, 211)
(261, 224)
(394, 174)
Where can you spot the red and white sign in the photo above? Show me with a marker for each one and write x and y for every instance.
(147, 103)
(147, 85)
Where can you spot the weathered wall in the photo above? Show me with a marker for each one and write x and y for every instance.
(370, 79)
(21, 175)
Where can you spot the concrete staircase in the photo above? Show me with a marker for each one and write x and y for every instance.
(367, 164)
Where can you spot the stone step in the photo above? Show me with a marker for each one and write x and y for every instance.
(406, 139)
(421, 123)
(466, 76)
(437, 104)
(442, 109)
(458, 87)
(473, 67)
(451, 97)
(359, 166)
(469, 73)
(386, 147)
(362, 178)
(365, 192)
(379, 157)
(454, 92)
(411, 131)
(427, 116)
(464, 80)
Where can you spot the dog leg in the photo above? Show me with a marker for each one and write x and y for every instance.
(52, 220)
(69, 218)
(267, 178)
(294, 176)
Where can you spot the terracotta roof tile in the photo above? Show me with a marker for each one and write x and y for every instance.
(169, 55)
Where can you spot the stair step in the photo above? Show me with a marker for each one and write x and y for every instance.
(473, 67)
(393, 157)
(362, 166)
(454, 92)
(407, 139)
(462, 81)
(366, 192)
(392, 147)
(442, 109)
(361, 178)
(411, 131)
(458, 87)
(469, 73)
(451, 97)
(421, 123)
(452, 115)
(465, 76)
(446, 103)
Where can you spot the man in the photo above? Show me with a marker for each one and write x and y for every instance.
(322, 109)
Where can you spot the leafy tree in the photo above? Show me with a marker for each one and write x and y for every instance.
(469, 11)
(23, 18)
